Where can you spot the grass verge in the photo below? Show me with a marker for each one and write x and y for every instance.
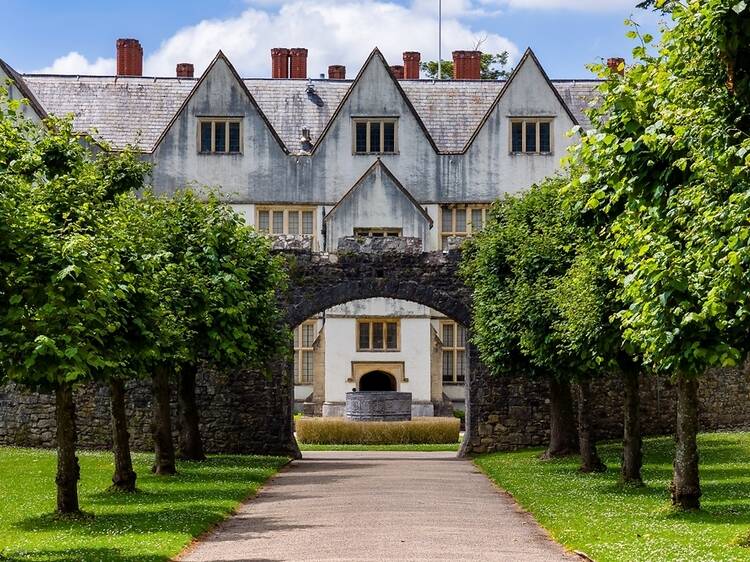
(594, 514)
(152, 525)
(424, 447)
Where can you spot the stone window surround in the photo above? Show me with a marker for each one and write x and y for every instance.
(213, 120)
(287, 210)
(301, 350)
(523, 120)
(385, 321)
(375, 119)
(454, 350)
(377, 232)
(469, 209)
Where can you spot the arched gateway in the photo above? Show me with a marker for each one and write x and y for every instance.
(392, 268)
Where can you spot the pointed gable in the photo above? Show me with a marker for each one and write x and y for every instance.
(372, 94)
(528, 92)
(18, 89)
(377, 200)
(221, 92)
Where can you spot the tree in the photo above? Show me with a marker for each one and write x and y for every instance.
(514, 267)
(58, 285)
(668, 163)
(134, 233)
(493, 67)
(221, 286)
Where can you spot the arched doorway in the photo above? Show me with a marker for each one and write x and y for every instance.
(377, 381)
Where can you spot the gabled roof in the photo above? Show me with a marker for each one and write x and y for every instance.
(377, 56)
(221, 57)
(527, 56)
(19, 83)
(378, 165)
(122, 110)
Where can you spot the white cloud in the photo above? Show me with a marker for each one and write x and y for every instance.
(334, 32)
(75, 63)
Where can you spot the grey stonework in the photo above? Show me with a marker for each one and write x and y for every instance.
(242, 412)
(249, 412)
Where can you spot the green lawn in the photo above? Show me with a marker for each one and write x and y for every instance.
(145, 527)
(422, 447)
(593, 514)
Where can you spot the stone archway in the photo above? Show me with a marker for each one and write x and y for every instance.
(391, 268)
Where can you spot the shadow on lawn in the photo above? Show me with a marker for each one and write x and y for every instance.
(78, 554)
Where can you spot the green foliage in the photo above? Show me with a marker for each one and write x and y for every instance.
(525, 271)
(59, 286)
(493, 67)
(220, 282)
(593, 513)
(667, 173)
(151, 526)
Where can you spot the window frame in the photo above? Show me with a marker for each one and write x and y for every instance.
(368, 121)
(385, 321)
(384, 232)
(286, 210)
(226, 121)
(453, 350)
(299, 353)
(537, 121)
(470, 230)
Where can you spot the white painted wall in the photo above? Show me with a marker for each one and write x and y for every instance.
(414, 353)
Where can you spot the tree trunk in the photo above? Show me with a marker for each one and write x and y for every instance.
(686, 488)
(191, 446)
(164, 462)
(590, 461)
(123, 479)
(562, 440)
(68, 470)
(632, 442)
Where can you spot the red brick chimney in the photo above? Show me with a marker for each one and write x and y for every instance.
(337, 72)
(467, 65)
(614, 65)
(398, 71)
(185, 70)
(279, 63)
(129, 57)
(298, 63)
(411, 65)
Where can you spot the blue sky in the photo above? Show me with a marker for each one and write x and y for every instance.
(78, 36)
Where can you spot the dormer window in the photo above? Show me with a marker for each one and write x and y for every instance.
(220, 136)
(375, 136)
(531, 136)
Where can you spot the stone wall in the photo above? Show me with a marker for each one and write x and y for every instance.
(510, 413)
(244, 412)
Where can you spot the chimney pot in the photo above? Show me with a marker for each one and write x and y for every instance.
(398, 71)
(614, 65)
(185, 70)
(337, 72)
(298, 63)
(280, 63)
(411, 65)
(129, 57)
(467, 65)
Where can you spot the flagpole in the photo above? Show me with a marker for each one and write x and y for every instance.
(440, 39)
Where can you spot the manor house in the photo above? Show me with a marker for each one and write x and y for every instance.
(316, 159)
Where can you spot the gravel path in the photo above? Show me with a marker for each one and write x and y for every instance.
(369, 506)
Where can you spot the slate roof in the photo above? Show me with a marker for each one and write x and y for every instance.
(122, 110)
